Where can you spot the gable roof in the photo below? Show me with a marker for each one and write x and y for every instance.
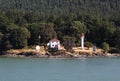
(54, 40)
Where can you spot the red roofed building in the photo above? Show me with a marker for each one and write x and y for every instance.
(55, 43)
(54, 40)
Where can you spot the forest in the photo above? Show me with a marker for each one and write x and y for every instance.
(22, 22)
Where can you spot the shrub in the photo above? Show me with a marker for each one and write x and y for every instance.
(105, 46)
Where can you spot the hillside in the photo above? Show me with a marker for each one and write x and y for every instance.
(22, 21)
(60, 7)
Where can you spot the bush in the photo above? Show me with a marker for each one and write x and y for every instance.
(88, 44)
(105, 46)
(68, 42)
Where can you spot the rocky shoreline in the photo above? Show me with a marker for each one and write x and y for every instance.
(59, 54)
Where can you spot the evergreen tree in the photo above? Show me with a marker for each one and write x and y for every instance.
(19, 37)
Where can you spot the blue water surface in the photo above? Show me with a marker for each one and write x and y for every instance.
(37, 69)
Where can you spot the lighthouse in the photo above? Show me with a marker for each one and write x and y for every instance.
(82, 40)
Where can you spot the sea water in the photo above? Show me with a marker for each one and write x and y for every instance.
(37, 69)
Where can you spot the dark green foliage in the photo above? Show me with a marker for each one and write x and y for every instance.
(105, 46)
(44, 30)
(1, 38)
(47, 32)
(88, 44)
(35, 32)
(30, 17)
(117, 38)
(69, 42)
(4, 21)
(5, 43)
(61, 7)
(1, 35)
(16, 17)
(19, 37)
(64, 19)
(76, 29)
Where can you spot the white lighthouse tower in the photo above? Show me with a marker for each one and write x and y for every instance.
(82, 40)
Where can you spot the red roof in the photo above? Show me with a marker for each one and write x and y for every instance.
(54, 40)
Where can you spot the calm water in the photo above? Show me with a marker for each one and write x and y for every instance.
(36, 69)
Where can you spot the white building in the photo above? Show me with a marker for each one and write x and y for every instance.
(54, 43)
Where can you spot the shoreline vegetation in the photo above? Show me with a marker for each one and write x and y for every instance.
(32, 53)
(59, 24)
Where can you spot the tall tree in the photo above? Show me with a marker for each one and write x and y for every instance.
(19, 37)
(69, 42)
(47, 32)
(116, 38)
